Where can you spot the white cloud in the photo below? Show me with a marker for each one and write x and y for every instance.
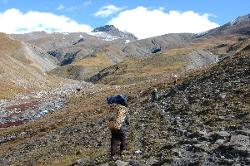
(60, 7)
(144, 23)
(108, 10)
(14, 21)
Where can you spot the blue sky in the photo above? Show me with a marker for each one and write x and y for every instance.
(85, 12)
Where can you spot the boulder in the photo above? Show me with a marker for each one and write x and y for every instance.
(121, 163)
(239, 140)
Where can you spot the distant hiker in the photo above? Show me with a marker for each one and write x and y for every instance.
(154, 94)
(175, 78)
(118, 123)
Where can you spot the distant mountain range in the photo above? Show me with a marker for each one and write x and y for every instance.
(87, 56)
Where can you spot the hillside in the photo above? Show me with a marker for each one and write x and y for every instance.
(201, 120)
(22, 66)
(148, 46)
(196, 54)
(81, 69)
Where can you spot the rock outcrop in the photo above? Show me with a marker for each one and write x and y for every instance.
(113, 31)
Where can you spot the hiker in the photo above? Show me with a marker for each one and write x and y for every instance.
(154, 94)
(118, 123)
(175, 79)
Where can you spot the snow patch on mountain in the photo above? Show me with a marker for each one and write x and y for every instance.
(104, 36)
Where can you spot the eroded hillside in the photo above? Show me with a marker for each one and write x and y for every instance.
(22, 67)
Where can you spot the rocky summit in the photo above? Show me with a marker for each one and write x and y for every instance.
(188, 97)
(106, 28)
(112, 30)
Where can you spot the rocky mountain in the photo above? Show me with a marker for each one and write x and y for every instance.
(113, 53)
(76, 49)
(79, 45)
(113, 31)
(82, 55)
(240, 26)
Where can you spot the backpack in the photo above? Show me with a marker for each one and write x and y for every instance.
(119, 118)
(118, 99)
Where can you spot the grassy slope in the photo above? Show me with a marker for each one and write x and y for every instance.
(83, 68)
(9, 90)
(7, 45)
(133, 71)
(22, 68)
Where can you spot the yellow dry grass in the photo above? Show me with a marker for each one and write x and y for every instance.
(98, 60)
(8, 45)
(178, 51)
(136, 70)
(9, 90)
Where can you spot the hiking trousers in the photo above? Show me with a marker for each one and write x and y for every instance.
(118, 141)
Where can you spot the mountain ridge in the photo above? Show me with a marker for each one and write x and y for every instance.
(238, 26)
(74, 50)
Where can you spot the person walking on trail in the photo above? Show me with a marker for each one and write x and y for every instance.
(175, 77)
(118, 123)
(154, 94)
